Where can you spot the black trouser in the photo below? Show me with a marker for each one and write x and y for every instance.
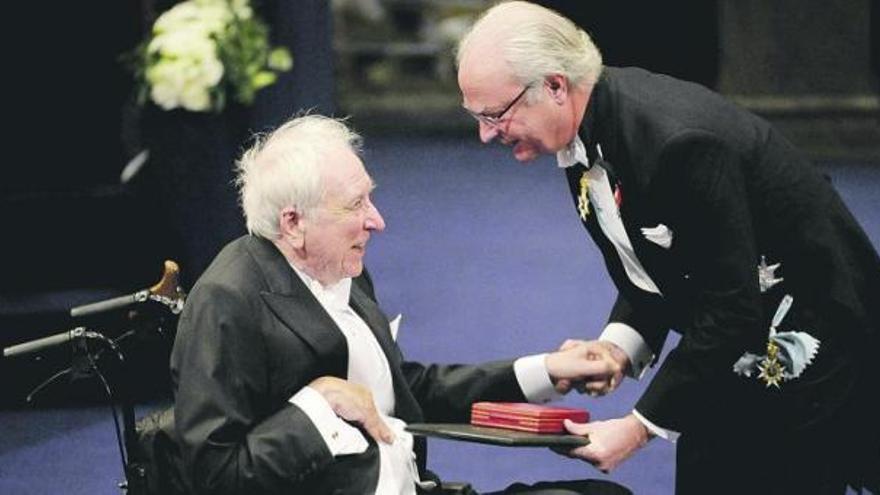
(746, 464)
(575, 487)
(809, 437)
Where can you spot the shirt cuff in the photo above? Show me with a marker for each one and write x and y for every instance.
(632, 344)
(341, 438)
(663, 433)
(534, 380)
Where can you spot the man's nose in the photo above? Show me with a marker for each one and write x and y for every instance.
(488, 132)
(374, 220)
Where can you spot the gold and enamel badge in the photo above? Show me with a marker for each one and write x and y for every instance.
(584, 197)
(788, 353)
(771, 369)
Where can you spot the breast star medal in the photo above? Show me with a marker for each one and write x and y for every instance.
(584, 198)
(771, 369)
(767, 275)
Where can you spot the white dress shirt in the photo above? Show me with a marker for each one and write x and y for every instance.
(368, 366)
(608, 217)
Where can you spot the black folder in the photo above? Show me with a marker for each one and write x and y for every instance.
(495, 436)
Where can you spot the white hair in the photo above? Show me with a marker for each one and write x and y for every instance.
(284, 169)
(536, 42)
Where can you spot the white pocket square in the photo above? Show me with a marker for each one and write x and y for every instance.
(394, 326)
(660, 235)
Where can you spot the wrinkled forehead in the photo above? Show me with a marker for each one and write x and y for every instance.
(484, 76)
(344, 173)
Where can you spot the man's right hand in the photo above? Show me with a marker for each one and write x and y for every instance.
(353, 402)
(602, 366)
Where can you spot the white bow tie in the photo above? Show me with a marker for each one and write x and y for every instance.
(574, 153)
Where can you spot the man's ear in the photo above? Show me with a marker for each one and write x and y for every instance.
(557, 85)
(292, 227)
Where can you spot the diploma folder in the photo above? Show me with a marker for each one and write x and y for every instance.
(495, 436)
(511, 424)
(522, 416)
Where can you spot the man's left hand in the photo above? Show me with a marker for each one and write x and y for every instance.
(611, 442)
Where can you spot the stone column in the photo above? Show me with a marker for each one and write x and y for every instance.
(305, 27)
(806, 66)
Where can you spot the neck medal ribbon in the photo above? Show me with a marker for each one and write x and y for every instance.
(788, 353)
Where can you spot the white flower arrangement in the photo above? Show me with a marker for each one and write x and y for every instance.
(201, 49)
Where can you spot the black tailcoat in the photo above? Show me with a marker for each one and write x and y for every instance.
(730, 189)
(251, 336)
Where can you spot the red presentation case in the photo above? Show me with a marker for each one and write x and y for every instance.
(522, 416)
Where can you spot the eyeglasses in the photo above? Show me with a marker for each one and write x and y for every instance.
(496, 118)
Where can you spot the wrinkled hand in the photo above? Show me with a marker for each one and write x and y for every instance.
(609, 373)
(353, 402)
(611, 442)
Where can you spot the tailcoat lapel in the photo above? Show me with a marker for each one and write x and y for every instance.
(295, 305)
(598, 129)
(373, 317)
(406, 406)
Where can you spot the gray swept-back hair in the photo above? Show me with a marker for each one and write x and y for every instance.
(284, 169)
(539, 43)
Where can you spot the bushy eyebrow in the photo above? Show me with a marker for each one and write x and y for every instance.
(484, 112)
(358, 197)
(373, 184)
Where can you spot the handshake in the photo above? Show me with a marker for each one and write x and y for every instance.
(593, 367)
